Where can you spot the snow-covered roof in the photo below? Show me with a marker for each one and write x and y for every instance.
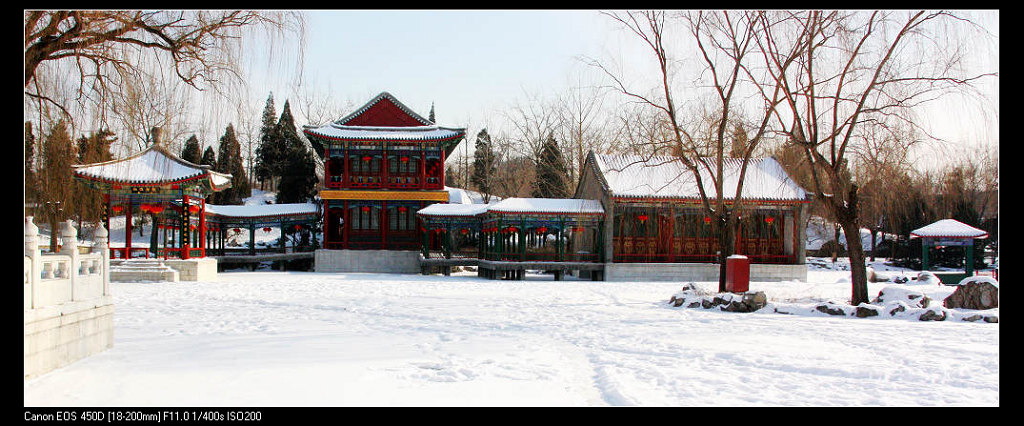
(453, 209)
(153, 165)
(465, 196)
(384, 118)
(261, 210)
(547, 205)
(375, 133)
(949, 228)
(667, 177)
(517, 205)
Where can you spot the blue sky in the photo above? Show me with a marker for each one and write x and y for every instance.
(465, 62)
(474, 64)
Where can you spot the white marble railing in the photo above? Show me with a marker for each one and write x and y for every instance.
(53, 279)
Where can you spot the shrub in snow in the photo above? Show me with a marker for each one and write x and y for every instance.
(974, 293)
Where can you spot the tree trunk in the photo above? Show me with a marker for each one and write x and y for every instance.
(847, 215)
(835, 247)
(726, 243)
(858, 272)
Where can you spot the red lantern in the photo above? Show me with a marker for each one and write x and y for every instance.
(403, 209)
(365, 209)
(707, 220)
(193, 209)
(405, 159)
(642, 218)
(542, 230)
(237, 230)
(578, 229)
(144, 207)
(513, 229)
(464, 231)
(156, 208)
(298, 227)
(367, 158)
(769, 220)
(266, 229)
(117, 208)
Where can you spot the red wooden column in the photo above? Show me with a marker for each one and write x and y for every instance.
(185, 222)
(202, 226)
(128, 229)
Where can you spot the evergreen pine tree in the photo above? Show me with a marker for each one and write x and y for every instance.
(267, 152)
(298, 183)
(191, 151)
(56, 183)
(229, 160)
(297, 168)
(552, 175)
(209, 157)
(484, 165)
(451, 177)
(87, 203)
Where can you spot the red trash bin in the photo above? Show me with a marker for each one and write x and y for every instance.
(737, 273)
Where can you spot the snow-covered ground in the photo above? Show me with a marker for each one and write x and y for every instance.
(273, 338)
(316, 339)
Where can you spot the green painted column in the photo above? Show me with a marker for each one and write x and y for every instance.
(925, 245)
(969, 259)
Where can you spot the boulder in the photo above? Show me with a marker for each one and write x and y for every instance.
(928, 278)
(891, 295)
(974, 293)
(748, 302)
(830, 309)
(933, 315)
(864, 311)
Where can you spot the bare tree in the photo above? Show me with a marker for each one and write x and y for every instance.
(727, 45)
(579, 112)
(861, 70)
(102, 63)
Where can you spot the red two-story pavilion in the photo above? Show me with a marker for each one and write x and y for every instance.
(382, 163)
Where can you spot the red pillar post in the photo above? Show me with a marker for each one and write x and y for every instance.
(202, 226)
(185, 223)
(128, 229)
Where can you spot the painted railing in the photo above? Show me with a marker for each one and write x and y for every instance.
(67, 276)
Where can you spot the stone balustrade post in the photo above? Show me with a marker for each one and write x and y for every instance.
(100, 247)
(69, 239)
(32, 251)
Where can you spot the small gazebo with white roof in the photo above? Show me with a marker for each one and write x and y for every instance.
(945, 233)
(153, 181)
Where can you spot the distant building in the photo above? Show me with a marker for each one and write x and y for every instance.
(654, 216)
(382, 163)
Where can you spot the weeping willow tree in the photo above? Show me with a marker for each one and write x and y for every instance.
(134, 70)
